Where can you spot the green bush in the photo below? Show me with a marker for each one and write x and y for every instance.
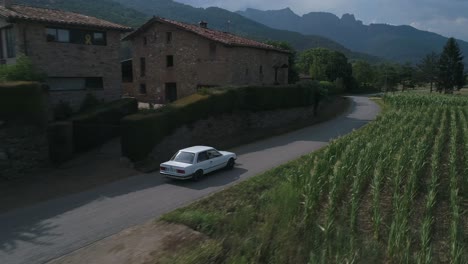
(60, 137)
(62, 111)
(94, 127)
(22, 70)
(141, 132)
(23, 101)
(89, 102)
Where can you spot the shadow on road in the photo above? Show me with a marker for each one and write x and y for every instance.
(215, 179)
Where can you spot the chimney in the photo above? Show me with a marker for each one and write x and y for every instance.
(203, 24)
(6, 3)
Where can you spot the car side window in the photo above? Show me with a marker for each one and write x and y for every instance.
(202, 156)
(213, 154)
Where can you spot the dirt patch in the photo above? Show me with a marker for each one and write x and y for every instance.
(143, 244)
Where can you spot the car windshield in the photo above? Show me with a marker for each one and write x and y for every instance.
(184, 157)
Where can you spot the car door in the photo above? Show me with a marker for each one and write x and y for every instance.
(203, 162)
(216, 158)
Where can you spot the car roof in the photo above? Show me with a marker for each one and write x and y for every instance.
(196, 149)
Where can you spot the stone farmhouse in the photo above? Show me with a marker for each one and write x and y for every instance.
(78, 53)
(172, 60)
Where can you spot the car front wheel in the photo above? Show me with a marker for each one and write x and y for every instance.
(230, 164)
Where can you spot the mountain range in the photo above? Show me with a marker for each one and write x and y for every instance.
(317, 29)
(136, 12)
(396, 43)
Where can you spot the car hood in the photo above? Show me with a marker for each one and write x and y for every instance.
(176, 164)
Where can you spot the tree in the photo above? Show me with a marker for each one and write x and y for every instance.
(451, 68)
(428, 68)
(293, 74)
(22, 70)
(327, 65)
(406, 76)
(387, 76)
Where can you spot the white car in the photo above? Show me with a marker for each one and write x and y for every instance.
(194, 162)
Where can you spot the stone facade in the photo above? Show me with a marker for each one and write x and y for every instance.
(23, 149)
(68, 61)
(197, 62)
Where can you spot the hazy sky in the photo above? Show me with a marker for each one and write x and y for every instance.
(446, 17)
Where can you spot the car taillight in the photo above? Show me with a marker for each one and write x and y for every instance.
(162, 168)
(180, 171)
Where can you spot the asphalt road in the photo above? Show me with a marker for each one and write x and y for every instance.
(54, 228)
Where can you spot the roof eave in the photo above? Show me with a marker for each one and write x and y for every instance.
(25, 19)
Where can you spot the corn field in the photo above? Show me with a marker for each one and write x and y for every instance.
(394, 192)
(398, 187)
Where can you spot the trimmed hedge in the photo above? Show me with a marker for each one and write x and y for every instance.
(60, 137)
(95, 127)
(23, 101)
(142, 132)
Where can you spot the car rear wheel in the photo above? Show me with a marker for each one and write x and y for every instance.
(230, 164)
(197, 175)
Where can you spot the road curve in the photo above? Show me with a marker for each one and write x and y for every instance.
(54, 228)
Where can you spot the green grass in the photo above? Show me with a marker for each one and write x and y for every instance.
(393, 191)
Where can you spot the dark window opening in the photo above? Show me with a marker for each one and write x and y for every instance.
(10, 43)
(168, 37)
(145, 41)
(261, 70)
(169, 61)
(171, 92)
(276, 76)
(75, 83)
(76, 36)
(95, 83)
(142, 67)
(246, 72)
(127, 71)
(142, 88)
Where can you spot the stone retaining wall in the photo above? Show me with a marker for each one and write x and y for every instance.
(23, 149)
(231, 130)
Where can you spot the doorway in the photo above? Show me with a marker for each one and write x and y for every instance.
(171, 92)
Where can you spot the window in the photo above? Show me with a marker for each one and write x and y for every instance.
(142, 67)
(168, 37)
(127, 71)
(10, 42)
(99, 38)
(202, 156)
(213, 154)
(75, 83)
(76, 36)
(171, 92)
(184, 157)
(142, 88)
(247, 72)
(94, 83)
(169, 61)
(145, 41)
(261, 70)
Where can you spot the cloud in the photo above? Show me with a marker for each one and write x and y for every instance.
(447, 17)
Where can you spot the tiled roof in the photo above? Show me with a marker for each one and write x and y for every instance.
(36, 14)
(215, 35)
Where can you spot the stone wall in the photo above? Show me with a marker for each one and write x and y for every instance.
(23, 149)
(231, 130)
(73, 60)
(197, 62)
